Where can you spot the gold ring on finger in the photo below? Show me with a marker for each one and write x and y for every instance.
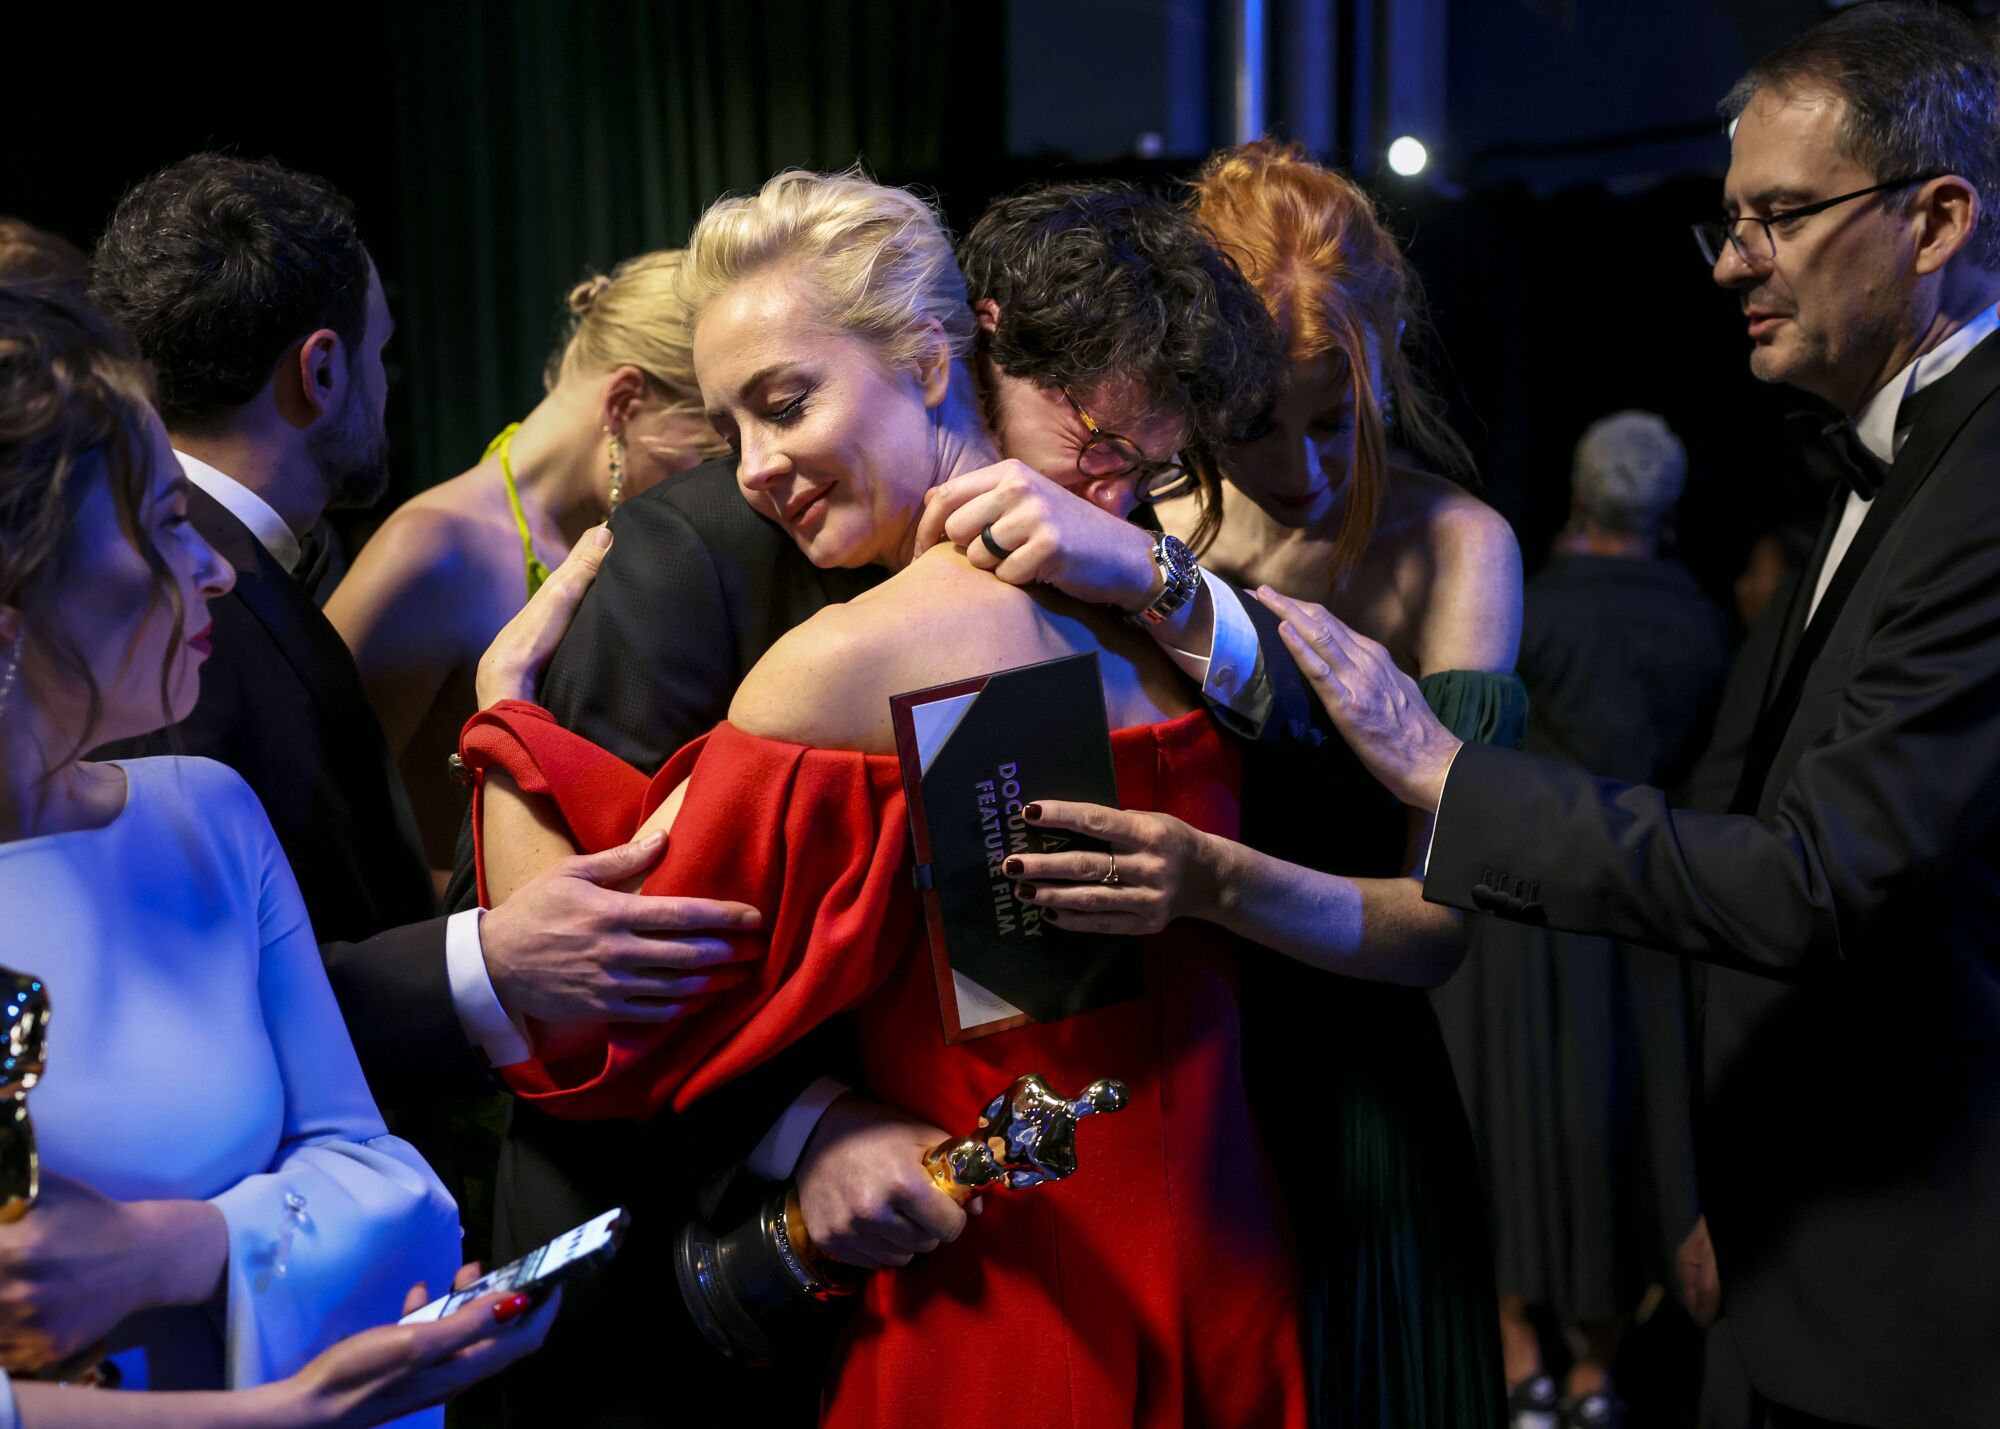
(1111, 878)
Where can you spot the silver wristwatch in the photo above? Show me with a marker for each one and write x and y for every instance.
(1180, 575)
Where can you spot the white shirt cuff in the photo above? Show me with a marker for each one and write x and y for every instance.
(778, 1153)
(1227, 670)
(486, 1023)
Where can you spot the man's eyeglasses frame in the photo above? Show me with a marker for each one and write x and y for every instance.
(1710, 236)
(1158, 480)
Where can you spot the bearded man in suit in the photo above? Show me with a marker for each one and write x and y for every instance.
(248, 288)
(1848, 904)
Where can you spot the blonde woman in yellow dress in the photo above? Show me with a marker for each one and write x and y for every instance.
(453, 564)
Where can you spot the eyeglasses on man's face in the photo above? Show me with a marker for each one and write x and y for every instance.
(1106, 454)
(1756, 240)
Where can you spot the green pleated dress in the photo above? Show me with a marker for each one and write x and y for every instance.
(1359, 1107)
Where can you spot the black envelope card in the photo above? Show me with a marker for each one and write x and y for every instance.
(974, 752)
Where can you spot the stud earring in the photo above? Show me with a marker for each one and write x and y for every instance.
(617, 466)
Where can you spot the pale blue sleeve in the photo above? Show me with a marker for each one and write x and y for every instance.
(327, 1241)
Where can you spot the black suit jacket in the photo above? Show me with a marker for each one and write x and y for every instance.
(1849, 1133)
(281, 703)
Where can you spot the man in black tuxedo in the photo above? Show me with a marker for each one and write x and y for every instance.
(249, 290)
(1849, 903)
(1165, 347)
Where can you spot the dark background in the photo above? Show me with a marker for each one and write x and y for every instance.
(499, 151)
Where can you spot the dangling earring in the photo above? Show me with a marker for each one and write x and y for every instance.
(13, 668)
(617, 466)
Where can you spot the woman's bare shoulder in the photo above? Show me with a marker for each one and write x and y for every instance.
(438, 552)
(827, 683)
(1471, 614)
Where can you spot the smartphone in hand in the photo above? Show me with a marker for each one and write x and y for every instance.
(594, 1241)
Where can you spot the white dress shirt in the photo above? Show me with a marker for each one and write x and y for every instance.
(195, 1052)
(1882, 433)
(1227, 673)
(248, 507)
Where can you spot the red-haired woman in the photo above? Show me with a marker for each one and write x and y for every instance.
(1351, 1073)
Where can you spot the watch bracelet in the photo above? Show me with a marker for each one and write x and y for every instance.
(1179, 586)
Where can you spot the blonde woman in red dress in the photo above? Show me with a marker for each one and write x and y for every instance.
(830, 330)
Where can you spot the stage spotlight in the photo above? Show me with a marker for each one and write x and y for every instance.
(1407, 156)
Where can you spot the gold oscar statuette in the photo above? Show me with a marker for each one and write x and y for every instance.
(27, 1028)
(742, 1286)
(26, 1014)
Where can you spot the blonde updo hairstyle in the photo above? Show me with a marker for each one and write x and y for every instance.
(1315, 248)
(876, 261)
(635, 317)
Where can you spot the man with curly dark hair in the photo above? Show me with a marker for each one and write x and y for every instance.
(1114, 295)
(1116, 341)
(216, 265)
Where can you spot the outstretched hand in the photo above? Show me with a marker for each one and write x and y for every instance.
(1377, 708)
(511, 668)
(1165, 869)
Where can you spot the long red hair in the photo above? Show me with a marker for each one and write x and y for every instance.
(1313, 244)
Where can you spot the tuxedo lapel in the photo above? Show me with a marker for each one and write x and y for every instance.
(266, 589)
(1948, 405)
(1800, 604)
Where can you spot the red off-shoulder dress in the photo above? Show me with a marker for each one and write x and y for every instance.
(1153, 1288)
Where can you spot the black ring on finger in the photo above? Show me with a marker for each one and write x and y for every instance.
(1000, 552)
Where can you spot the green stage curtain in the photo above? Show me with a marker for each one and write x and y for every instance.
(538, 141)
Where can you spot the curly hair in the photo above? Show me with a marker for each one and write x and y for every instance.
(73, 410)
(1337, 286)
(1099, 282)
(216, 265)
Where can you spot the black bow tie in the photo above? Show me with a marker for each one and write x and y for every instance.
(1833, 453)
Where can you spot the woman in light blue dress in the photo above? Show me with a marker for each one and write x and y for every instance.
(220, 1201)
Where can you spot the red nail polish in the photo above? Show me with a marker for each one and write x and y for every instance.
(1032, 812)
(512, 1308)
(1011, 867)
